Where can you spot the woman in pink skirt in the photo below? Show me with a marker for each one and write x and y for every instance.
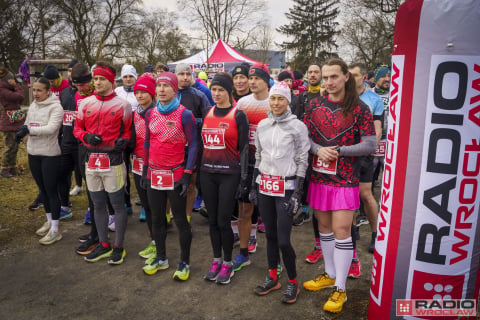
(341, 130)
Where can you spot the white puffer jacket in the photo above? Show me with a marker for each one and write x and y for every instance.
(44, 120)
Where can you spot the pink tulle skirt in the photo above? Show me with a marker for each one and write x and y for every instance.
(330, 198)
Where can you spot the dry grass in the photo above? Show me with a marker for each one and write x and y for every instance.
(17, 223)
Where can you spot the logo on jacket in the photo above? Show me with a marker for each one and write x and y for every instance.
(223, 125)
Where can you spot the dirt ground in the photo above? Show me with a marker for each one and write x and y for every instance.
(53, 282)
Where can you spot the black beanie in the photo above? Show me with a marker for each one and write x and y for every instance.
(222, 81)
(286, 74)
(72, 63)
(50, 72)
(241, 69)
(261, 71)
(298, 75)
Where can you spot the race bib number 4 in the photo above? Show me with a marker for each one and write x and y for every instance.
(380, 152)
(272, 185)
(324, 167)
(98, 162)
(68, 117)
(213, 138)
(137, 165)
(252, 131)
(162, 180)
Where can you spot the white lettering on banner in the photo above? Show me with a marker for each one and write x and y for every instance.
(388, 182)
(447, 208)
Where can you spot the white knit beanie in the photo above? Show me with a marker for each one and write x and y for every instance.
(129, 70)
(282, 89)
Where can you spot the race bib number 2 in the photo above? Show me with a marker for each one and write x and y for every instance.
(324, 167)
(213, 138)
(162, 180)
(272, 185)
(99, 162)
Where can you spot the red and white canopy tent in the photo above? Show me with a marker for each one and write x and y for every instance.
(218, 57)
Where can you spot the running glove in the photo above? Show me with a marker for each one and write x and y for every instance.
(93, 139)
(243, 191)
(120, 144)
(143, 178)
(21, 133)
(253, 195)
(295, 201)
(182, 184)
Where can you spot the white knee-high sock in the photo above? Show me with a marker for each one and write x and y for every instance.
(343, 258)
(49, 217)
(328, 246)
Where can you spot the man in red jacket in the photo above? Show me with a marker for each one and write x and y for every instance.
(103, 125)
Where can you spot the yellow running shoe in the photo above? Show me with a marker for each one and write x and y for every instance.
(156, 265)
(183, 272)
(320, 282)
(335, 301)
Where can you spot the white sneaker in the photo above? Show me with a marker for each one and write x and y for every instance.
(76, 191)
(111, 223)
(43, 229)
(51, 237)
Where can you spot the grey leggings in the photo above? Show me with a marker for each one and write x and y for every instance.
(99, 199)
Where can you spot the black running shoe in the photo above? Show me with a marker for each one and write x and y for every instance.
(290, 296)
(84, 237)
(36, 204)
(117, 256)
(267, 286)
(98, 253)
(87, 246)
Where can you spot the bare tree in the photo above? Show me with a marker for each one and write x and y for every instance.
(226, 19)
(97, 26)
(368, 30)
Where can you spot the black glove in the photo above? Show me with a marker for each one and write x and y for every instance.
(253, 194)
(21, 133)
(93, 139)
(243, 191)
(120, 144)
(182, 184)
(295, 201)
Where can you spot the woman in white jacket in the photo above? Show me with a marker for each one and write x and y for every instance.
(43, 122)
(282, 147)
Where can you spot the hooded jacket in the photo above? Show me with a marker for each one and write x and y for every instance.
(44, 120)
(282, 146)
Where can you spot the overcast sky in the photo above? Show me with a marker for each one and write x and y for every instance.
(275, 12)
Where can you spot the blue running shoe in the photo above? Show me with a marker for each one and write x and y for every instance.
(87, 219)
(197, 204)
(240, 261)
(65, 214)
(128, 209)
(142, 216)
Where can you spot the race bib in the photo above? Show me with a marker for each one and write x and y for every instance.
(34, 124)
(324, 167)
(68, 117)
(272, 185)
(380, 151)
(137, 165)
(162, 180)
(213, 138)
(98, 162)
(252, 131)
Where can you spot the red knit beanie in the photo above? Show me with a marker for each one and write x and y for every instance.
(146, 84)
(169, 78)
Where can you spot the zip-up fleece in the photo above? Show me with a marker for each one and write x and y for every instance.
(282, 146)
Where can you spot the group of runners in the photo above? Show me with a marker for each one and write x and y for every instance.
(259, 151)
